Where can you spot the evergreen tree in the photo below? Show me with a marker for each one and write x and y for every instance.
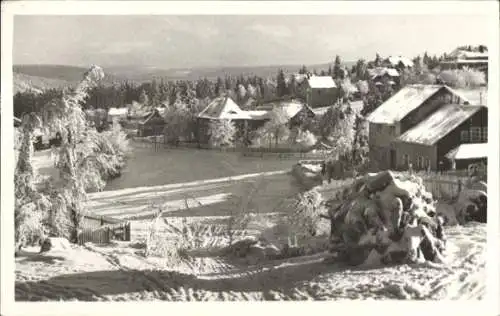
(338, 73)
(143, 98)
(281, 84)
(378, 61)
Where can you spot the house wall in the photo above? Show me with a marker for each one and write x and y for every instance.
(380, 138)
(322, 97)
(414, 151)
(453, 139)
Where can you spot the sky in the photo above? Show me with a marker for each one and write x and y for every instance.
(215, 41)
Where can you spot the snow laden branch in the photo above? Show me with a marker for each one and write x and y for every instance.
(85, 159)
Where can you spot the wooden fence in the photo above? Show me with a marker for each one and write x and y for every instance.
(443, 188)
(103, 229)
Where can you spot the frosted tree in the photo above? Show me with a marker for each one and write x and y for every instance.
(30, 208)
(276, 129)
(222, 133)
(57, 210)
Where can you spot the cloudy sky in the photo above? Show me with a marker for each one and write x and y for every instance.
(190, 41)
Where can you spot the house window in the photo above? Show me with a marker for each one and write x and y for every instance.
(420, 163)
(464, 136)
(392, 130)
(406, 160)
(427, 163)
(485, 134)
(475, 134)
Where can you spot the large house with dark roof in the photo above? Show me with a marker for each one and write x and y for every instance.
(421, 124)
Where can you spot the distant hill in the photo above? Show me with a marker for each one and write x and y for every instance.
(141, 74)
(40, 77)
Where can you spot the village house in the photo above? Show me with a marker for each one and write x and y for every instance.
(153, 124)
(461, 58)
(398, 62)
(381, 75)
(248, 121)
(321, 91)
(406, 109)
(295, 111)
(442, 141)
(224, 108)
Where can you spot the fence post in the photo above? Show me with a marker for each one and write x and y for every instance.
(108, 235)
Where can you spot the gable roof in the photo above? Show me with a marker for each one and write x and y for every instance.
(156, 114)
(225, 108)
(439, 124)
(291, 108)
(222, 108)
(403, 102)
(381, 71)
(321, 82)
(468, 151)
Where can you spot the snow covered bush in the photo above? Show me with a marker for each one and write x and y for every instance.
(461, 78)
(275, 131)
(222, 133)
(305, 139)
(305, 210)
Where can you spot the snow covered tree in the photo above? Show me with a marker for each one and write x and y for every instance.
(338, 72)
(222, 133)
(275, 130)
(281, 89)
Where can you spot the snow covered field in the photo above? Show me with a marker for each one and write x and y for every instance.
(120, 272)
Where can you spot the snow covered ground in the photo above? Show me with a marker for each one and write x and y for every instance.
(120, 272)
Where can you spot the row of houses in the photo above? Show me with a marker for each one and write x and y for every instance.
(429, 127)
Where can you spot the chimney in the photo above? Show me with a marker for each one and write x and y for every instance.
(480, 98)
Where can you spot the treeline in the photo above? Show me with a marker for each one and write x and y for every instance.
(249, 90)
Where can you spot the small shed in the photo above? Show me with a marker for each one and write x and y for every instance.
(466, 154)
(152, 125)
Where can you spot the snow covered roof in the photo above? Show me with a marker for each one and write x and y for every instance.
(439, 124)
(475, 96)
(465, 61)
(468, 151)
(321, 110)
(222, 108)
(291, 108)
(458, 53)
(117, 111)
(381, 71)
(226, 108)
(156, 114)
(395, 60)
(403, 102)
(321, 82)
(392, 72)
